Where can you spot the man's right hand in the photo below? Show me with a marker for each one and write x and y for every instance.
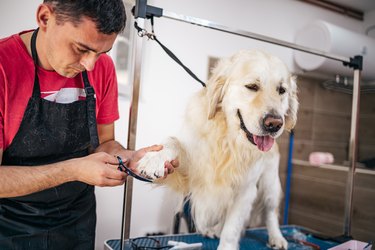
(99, 169)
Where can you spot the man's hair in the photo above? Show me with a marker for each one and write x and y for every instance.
(108, 15)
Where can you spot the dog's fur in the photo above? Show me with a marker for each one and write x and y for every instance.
(225, 174)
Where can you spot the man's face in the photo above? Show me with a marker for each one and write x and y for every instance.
(70, 49)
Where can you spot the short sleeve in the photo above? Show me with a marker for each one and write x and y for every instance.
(2, 106)
(106, 90)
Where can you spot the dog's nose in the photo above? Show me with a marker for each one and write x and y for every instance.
(272, 123)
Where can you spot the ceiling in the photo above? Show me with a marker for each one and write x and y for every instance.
(357, 9)
(361, 5)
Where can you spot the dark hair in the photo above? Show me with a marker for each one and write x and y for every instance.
(108, 15)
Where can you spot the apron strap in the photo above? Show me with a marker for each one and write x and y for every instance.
(91, 113)
(34, 53)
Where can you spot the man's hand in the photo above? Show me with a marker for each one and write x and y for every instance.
(99, 169)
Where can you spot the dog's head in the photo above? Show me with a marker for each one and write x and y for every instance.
(257, 95)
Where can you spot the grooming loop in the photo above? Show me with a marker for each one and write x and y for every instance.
(144, 32)
(143, 11)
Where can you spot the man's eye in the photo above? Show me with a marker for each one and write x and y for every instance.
(81, 51)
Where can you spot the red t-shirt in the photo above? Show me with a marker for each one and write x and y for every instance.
(17, 80)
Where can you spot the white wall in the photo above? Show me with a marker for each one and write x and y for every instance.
(17, 15)
(166, 87)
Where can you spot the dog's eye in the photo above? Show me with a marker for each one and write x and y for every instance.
(282, 90)
(252, 87)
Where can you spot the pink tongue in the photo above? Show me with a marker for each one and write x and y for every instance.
(264, 143)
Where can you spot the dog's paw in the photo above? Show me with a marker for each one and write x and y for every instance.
(278, 242)
(152, 164)
(212, 235)
(213, 231)
(227, 246)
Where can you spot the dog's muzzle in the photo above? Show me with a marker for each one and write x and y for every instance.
(263, 143)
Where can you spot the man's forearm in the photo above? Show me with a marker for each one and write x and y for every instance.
(19, 181)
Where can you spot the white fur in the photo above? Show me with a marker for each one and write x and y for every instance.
(227, 177)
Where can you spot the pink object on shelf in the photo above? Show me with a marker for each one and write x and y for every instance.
(353, 245)
(319, 158)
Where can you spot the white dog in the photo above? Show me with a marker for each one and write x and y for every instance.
(228, 159)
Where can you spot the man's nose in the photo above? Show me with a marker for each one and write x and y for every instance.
(88, 61)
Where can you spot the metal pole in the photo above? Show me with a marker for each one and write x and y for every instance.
(219, 27)
(352, 153)
(132, 131)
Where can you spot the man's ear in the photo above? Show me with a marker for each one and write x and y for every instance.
(291, 115)
(43, 15)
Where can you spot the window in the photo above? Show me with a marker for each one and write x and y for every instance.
(121, 53)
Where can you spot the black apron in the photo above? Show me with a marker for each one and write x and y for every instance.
(62, 217)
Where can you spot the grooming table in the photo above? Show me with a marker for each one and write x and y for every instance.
(299, 238)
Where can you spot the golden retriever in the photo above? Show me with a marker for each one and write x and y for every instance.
(228, 157)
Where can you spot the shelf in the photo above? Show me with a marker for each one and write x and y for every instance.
(333, 167)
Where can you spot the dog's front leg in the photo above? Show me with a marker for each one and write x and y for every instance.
(270, 184)
(237, 215)
(152, 163)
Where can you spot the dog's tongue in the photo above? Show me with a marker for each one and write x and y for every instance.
(264, 143)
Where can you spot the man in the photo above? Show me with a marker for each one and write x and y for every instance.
(58, 104)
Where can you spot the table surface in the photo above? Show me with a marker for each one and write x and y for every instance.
(298, 238)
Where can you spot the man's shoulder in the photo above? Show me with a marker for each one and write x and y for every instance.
(7, 43)
(4, 41)
(11, 48)
(104, 67)
(11, 40)
(105, 61)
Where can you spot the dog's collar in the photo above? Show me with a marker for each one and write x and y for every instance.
(249, 135)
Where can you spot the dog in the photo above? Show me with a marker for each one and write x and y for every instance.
(228, 157)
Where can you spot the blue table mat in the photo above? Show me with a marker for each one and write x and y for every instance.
(299, 238)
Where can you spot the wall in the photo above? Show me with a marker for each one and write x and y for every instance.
(17, 15)
(324, 119)
(318, 193)
(318, 198)
(166, 87)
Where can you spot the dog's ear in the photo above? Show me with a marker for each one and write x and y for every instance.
(291, 115)
(216, 85)
(215, 93)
